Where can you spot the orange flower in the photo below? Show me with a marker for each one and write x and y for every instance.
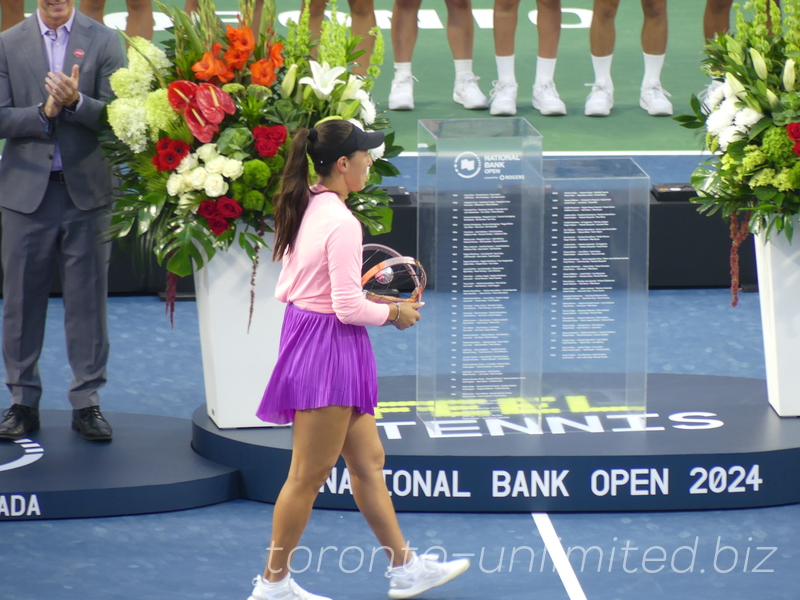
(275, 54)
(209, 67)
(263, 72)
(236, 58)
(241, 39)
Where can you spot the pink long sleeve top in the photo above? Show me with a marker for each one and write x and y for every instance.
(322, 272)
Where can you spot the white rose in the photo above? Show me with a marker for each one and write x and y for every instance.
(175, 184)
(215, 165)
(215, 186)
(233, 169)
(188, 163)
(197, 178)
(207, 152)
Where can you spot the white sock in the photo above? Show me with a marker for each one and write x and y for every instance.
(602, 70)
(505, 69)
(271, 585)
(545, 70)
(652, 69)
(402, 68)
(463, 68)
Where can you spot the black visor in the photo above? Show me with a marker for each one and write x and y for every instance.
(357, 140)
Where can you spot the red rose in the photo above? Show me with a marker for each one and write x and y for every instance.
(228, 208)
(266, 147)
(797, 148)
(793, 130)
(169, 160)
(276, 133)
(218, 225)
(208, 209)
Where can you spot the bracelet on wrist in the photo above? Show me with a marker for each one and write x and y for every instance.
(397, 317)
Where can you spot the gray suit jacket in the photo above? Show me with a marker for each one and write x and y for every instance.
(28, 153)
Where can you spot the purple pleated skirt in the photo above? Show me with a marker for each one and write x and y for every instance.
(321, 362)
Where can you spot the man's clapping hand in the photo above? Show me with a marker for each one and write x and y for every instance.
(63, 91)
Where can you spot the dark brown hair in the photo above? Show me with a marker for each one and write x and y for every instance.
(292, 200)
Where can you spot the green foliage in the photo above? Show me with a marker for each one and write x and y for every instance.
(757, 174)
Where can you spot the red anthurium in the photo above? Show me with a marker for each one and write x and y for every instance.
(214, 103)
(180, 93)
(201, 128)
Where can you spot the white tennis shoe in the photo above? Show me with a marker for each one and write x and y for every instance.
(653, 99)
(467, 93)
(422, 573)
(286, 589)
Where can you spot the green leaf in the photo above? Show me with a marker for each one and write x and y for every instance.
(385, 169)
(756, 129)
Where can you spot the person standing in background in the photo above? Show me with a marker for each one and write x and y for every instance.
(548, 26)
(140, 16)
(55, 198)
(460, 34)
(362, 15)
(602, 37)
(13, 12)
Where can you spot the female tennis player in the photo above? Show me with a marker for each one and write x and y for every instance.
(325, 379)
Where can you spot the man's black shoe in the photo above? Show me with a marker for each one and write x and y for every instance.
(18, 422)
(92, 424)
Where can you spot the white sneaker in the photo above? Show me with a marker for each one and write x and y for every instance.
(600, 101)
(654, 100)
(422, 573)
(286, 590)
(467, 93)
(504, 98)
(547, 101)
(402, 95)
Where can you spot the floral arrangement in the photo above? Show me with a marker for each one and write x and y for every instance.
(751, 120)
(200, 130)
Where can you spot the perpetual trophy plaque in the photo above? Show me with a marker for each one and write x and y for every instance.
(595, 289)
(480, 231)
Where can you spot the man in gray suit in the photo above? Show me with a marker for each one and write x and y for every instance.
(55, 197)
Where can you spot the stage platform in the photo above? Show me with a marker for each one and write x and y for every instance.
(148, 467)
(708, 443)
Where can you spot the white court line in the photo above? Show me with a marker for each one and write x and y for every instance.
(560, 559)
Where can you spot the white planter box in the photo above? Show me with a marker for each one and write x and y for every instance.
(779, 292)
(237, 364)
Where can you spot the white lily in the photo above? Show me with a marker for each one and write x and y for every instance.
(354, 85)
(287, 86)
(774, 101)
(789, 75)
(736, 86)
(759, 64)
(323, 80)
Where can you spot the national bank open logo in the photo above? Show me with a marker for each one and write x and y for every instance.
(467, 165)
(33, 452)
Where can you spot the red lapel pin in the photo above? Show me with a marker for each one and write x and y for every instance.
(78, 53)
